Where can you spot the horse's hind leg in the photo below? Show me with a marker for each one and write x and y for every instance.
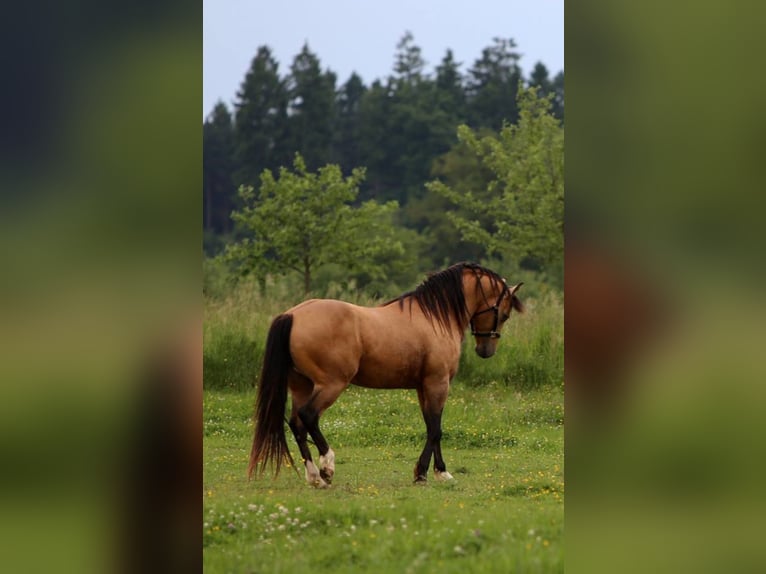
(327, 465)
(309, 415)
(301, 396)
(313, 476)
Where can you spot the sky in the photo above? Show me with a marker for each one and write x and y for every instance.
(358, 36)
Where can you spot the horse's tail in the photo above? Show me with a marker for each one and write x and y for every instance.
(269, 443)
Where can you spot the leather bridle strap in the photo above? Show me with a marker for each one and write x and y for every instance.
(493, 333)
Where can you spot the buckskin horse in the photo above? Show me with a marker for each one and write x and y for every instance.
(321, 346)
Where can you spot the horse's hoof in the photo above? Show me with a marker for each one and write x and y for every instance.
(442, 475)
(327, 465)
(319, 483)
(420, 480)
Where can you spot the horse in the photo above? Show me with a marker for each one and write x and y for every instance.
(316, 349)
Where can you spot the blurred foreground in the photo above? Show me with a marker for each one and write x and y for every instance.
(101, 330)
(101, 275)
(665, 315)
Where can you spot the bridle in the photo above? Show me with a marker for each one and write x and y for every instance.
(493, 333)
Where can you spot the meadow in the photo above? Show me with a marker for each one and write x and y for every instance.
(503, 442)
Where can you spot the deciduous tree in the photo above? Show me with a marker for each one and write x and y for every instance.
(524, 201)
(303, 220)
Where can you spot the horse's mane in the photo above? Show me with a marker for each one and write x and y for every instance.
(440, 296)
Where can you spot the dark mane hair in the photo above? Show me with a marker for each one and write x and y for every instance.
(441, 296)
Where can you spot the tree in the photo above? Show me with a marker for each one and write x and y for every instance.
(375, 149)
(261, 118)
(462, 171)
(494, 81)
(217, 166)
(303, 220)
(311, 109)
(557, 105)
(405, 123)
(524, 201)
(348, 103)
(449, 84)
(540, 79)
(409, 63)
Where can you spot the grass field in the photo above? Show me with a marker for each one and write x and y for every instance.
(504, 512)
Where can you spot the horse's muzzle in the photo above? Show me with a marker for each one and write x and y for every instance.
(485, 351)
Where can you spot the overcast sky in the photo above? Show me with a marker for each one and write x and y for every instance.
(357, 36)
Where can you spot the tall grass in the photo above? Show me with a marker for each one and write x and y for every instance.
(530, 353)
(234, 335)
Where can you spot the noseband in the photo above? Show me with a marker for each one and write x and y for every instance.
(493, 333)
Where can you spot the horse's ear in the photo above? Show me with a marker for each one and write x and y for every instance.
(515, 302)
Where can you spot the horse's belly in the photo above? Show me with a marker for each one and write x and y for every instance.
(381, 376)
(402, 371)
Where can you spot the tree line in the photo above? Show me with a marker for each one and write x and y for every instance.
(403, 132)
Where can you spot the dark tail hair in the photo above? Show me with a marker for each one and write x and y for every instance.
(269, 443)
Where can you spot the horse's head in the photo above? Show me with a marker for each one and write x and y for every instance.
(488, 320)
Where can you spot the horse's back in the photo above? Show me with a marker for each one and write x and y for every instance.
(324, 315)
(379, 347)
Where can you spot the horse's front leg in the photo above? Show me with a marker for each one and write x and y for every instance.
(432, 396)
(440, 469)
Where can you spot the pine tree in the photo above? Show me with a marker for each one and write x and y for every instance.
(557, 104)
(449, 85)
(261, 119)
(494, 82)
(311, 109)
(347, 130)
(539, 78)
(409, 63)
(217, 168)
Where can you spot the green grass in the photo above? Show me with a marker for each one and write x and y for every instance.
(502, 513)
